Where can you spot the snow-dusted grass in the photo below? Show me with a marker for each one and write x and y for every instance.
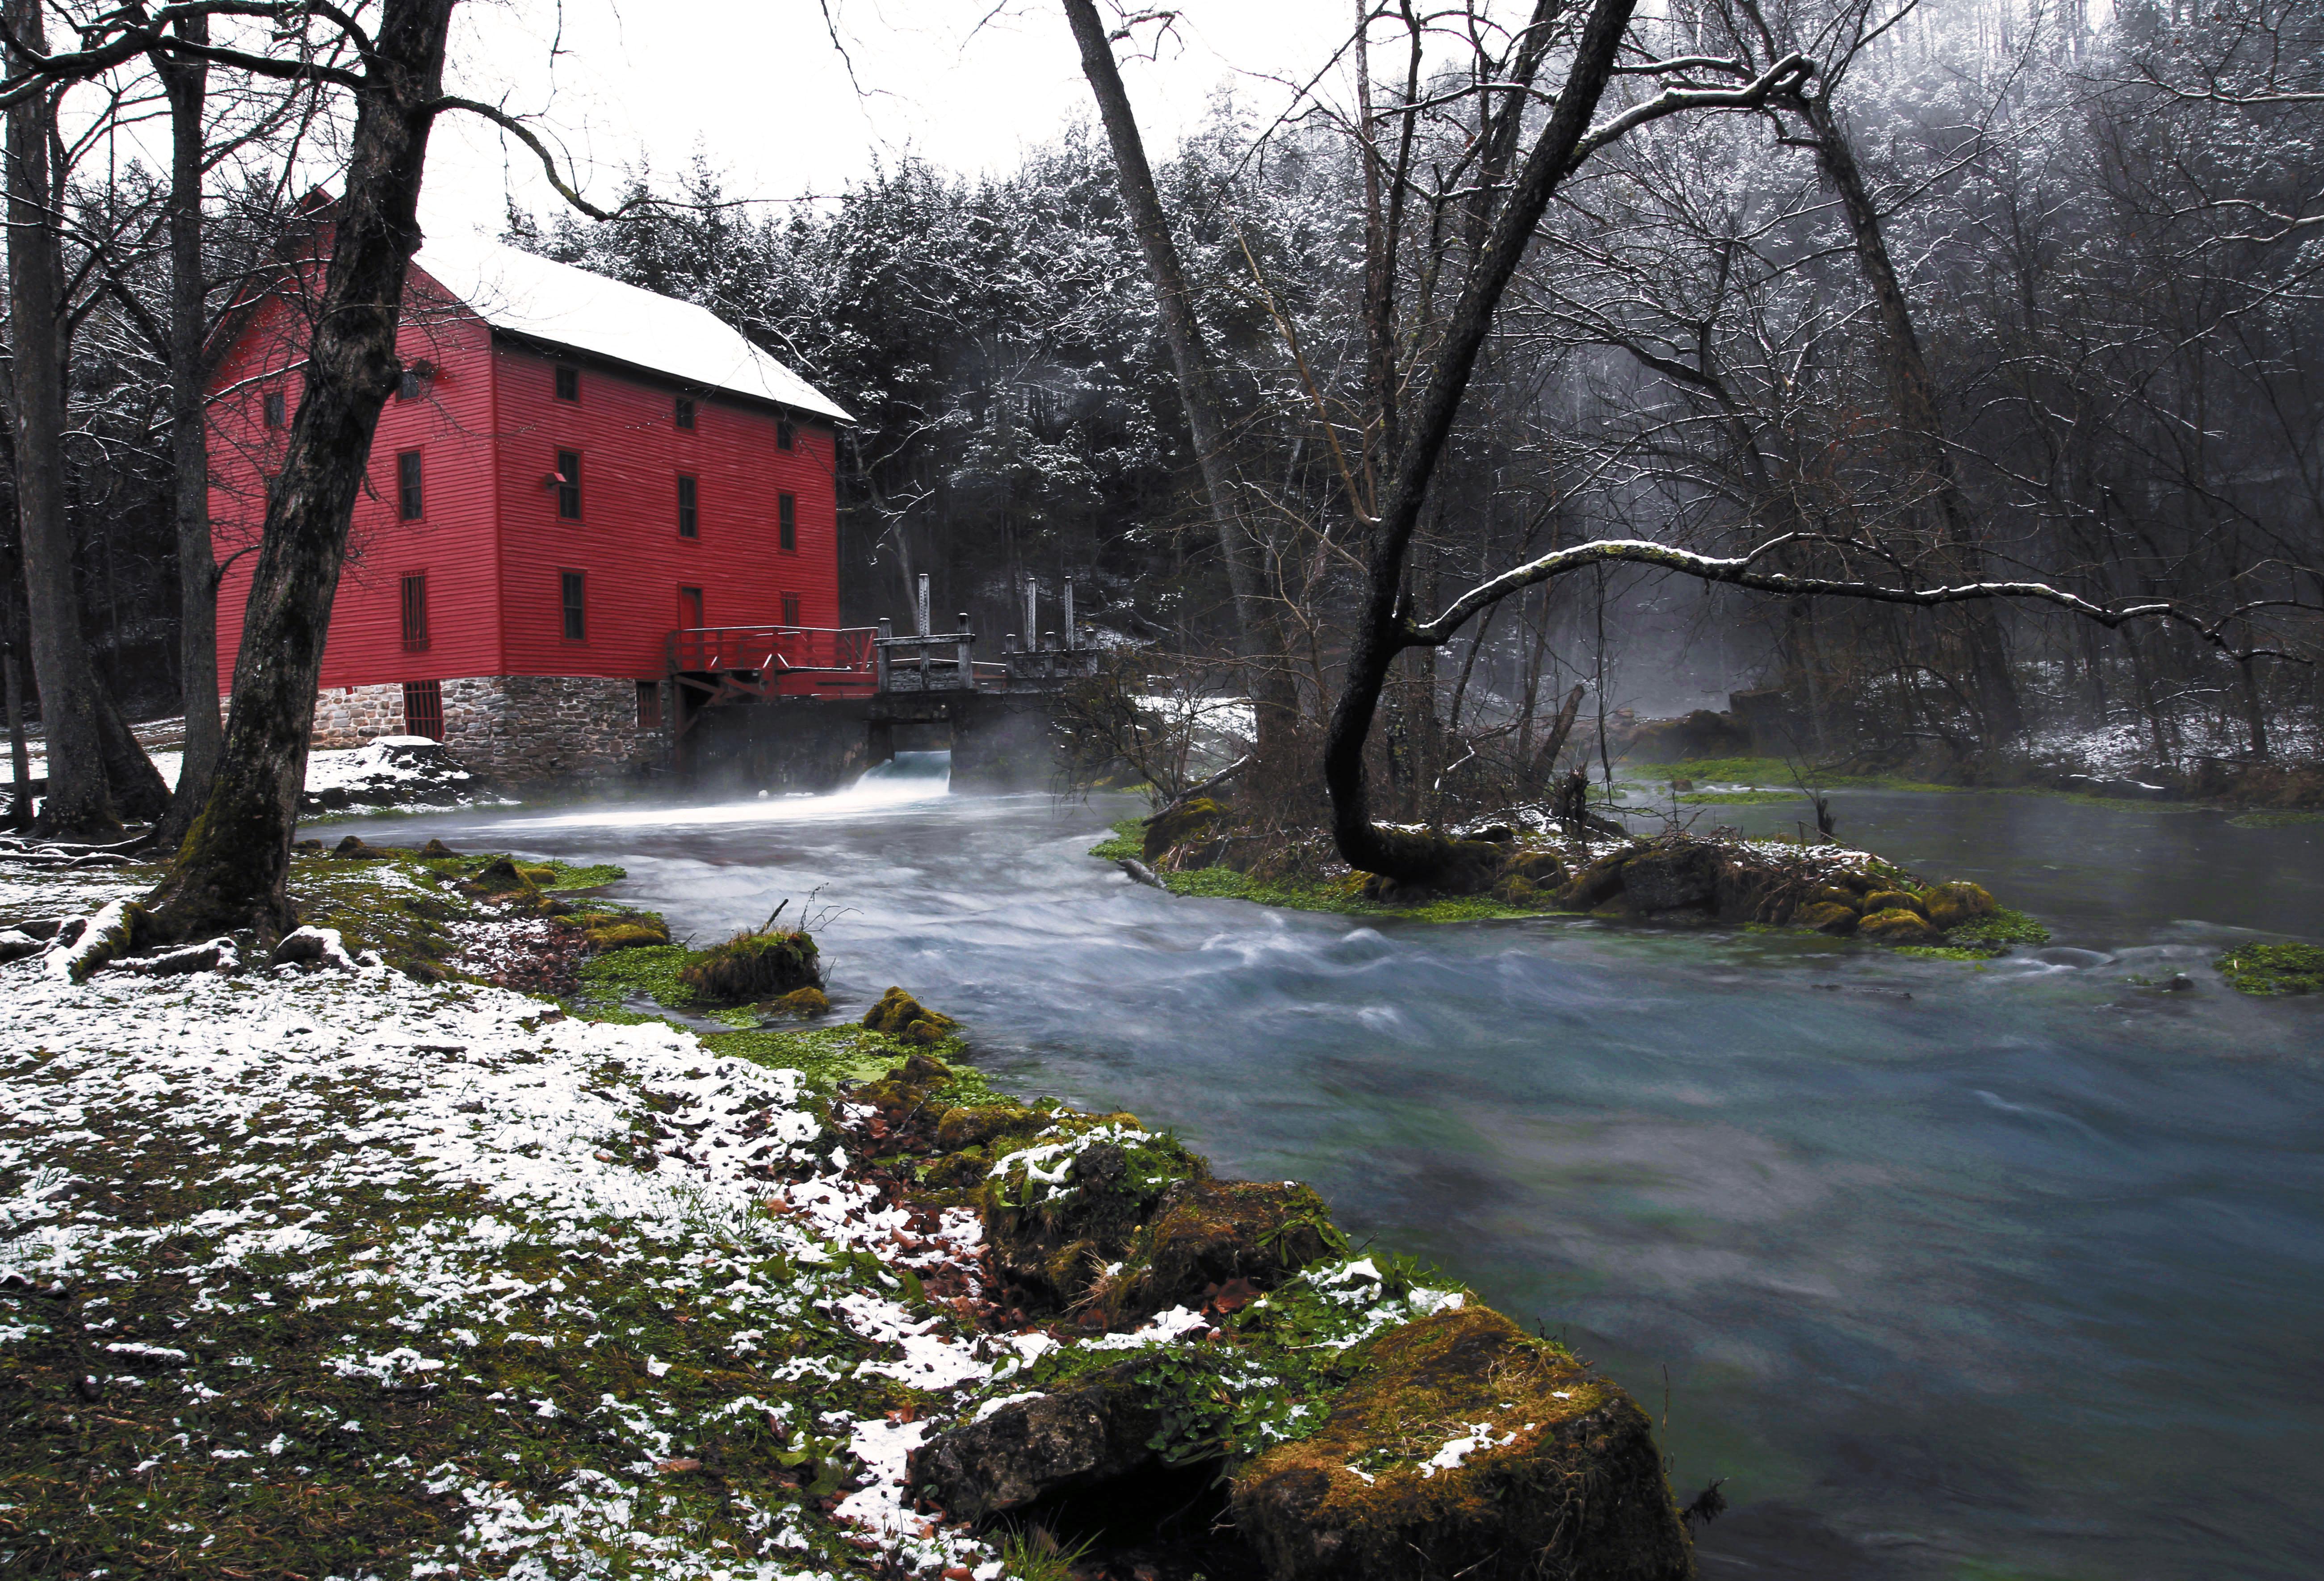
(365, 1276)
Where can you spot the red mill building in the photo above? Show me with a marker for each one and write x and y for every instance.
(575, 475)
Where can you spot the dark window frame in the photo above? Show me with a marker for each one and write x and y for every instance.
(423, 706)
(568, 382)
(648, 705)
(274, 410)
(683, 414)
(413, 603)
(569, 485)
(573, 605)
(410, 486)
(786, 433)
(790, 608)
(787, 523)
(411, 385)
(689, 506)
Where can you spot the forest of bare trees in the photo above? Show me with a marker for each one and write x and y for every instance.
(1986, 295)
(1993, 297)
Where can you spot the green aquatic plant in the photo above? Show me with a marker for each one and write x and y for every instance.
(2274, 969)
(1996, 931)
(2274, 819)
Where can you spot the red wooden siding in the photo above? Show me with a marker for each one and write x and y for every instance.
(633, 453)
(489, 541)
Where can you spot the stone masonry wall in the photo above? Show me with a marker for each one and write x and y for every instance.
(509, 729)
(350, 716)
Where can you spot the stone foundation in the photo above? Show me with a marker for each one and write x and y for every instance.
(509, 729)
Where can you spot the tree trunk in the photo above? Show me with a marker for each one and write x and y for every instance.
(229, 872)
(79, 805)
(1914, 392)
(139, 792)
(187, 83)
(1380, 627)
(1259, 640)
(12, 675)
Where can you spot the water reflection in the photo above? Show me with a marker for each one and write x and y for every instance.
(2013, 1266)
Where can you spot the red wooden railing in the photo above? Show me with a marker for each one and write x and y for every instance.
(780, 661)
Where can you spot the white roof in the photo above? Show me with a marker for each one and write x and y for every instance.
(529, 295)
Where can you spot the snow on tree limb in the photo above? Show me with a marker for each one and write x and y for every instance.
(1740, 571)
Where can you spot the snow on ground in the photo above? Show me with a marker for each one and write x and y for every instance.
(444, 1176)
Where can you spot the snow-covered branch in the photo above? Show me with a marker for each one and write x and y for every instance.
(1745, 571)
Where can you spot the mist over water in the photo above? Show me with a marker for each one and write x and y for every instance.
(2015, 1266)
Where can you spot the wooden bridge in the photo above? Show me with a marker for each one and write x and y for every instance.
(711, 667)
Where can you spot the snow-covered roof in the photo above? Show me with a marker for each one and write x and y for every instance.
(526, 294)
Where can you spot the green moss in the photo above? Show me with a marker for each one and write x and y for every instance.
(648, 972)
(2274, 819)
(545, 873)
(1945, 952)
(1996, 931)
(1343, 894)
(753, 966)
(2274, 969)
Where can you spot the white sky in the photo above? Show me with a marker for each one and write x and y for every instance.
(757, 85)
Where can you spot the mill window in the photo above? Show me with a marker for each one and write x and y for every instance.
(787, 521)
(415, 611)
(409, 502)
(568, 384)
(790, 608)
(648, 705)
(786, 436)
(274, 409)
(569, 485)
(685, 411)
(689, 507)
(573, 594)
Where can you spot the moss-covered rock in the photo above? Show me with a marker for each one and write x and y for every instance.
(1956, 901)
(500, 876)
(1544, 869)
(1828, 917)
(1467, 1449)
(906, 1019)
(980, 1124)
(1897, 926)
(1176, 825)
(803, 1003)
(1058, 1213)
(1680, 876)
(753, 966)
(1880, 900)
(1207, 1235)
(1596, 884)
(625, 933)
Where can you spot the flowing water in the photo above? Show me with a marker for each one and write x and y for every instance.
(1950, 1271)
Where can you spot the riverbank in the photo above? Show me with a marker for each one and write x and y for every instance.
(319, 1267)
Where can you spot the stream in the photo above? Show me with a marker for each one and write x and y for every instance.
(2010, 1271)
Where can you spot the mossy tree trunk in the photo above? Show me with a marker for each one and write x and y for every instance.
(230, 870)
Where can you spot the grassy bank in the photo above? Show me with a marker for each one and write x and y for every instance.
(309, 1271)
